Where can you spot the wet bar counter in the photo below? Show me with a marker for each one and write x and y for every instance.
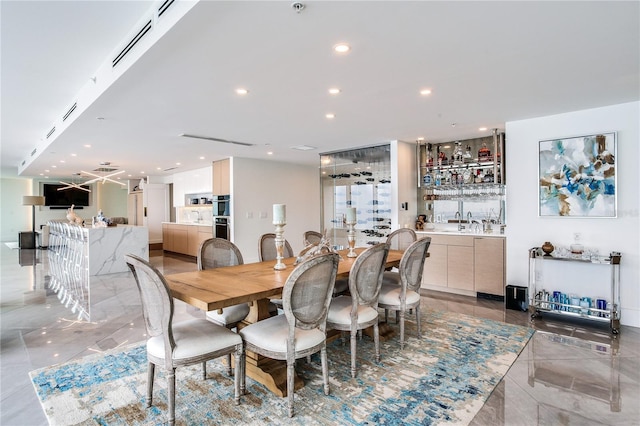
(107, 247)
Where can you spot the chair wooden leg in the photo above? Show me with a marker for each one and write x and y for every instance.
(418, 321)
(204, 370)
(238, 372)
(397, 317)
(151, 368)
(290, 384)
(229, 369)
(386, 316)
(325, 368)
(243, 371)
(376, 340)
(171, 395)
(354, 334)
(401, 312)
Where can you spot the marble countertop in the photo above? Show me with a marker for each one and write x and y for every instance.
(463, 233)
(202, 223)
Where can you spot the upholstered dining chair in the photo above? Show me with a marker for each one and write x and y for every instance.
(267, 251)
(360, 310)
(406, 296)
(216, 253)
(171, 345)
(267, 248)
(400, 239)
(312, 237)
(301, 331)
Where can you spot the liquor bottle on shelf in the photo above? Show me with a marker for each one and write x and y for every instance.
(457, 154)
(484, 154)
(479, 176)
(467, 153)
(427, 179)
(429, 155)
(438, 180)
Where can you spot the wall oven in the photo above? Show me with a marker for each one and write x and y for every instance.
(221, 228)
(221, 205)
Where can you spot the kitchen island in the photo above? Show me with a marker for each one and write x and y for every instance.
(106, 247)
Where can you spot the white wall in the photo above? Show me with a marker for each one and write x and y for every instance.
(403, 177)
(526, 230)
(257, 185)
(14, 217)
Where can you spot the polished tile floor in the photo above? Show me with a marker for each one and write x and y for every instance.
(568, 374)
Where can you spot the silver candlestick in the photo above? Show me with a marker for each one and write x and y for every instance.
(279, 247)
(351, 238)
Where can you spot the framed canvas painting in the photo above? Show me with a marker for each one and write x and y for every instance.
(577, 176)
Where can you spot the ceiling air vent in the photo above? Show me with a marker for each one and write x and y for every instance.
(68, 113)
(23, 162)
(170, 168)
(51, 132)
(145, 29)
(164, 6)
(105, 169)
(34, 151)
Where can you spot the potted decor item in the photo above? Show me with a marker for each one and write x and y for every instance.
(547, 248)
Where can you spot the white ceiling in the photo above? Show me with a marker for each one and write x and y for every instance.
(486, 63)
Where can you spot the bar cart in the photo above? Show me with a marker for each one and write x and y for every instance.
(540, 300)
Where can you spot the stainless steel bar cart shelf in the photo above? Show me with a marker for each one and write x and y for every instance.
(540, 300)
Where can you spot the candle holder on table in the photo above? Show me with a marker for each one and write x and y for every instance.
(351, 238)
(279, 241)
(279, 220)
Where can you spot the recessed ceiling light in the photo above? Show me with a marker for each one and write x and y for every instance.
(270, 153)
(330, 115)
(334, 90)
(87, 145)
(129, 175)
(54, 166)
(73, 155)
(420, 138)
(202, 157)
(241, 91)
(177, 164)
(158, 168)
(341, 48)
(142, 172)
(482, 129)
(304, 147)
(62, 161)
(46, 170)
(425, 92)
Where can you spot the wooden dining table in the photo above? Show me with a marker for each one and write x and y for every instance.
(253, 283)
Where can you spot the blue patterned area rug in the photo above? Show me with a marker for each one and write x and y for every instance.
(443, 378)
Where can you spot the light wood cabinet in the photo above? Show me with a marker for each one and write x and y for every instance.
(489, 265)
(222, 177)
(465, 264)
(167, 237)
(460, 267)
(435, 266)
(184, 239)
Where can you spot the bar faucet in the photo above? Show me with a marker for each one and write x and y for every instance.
(459, 217)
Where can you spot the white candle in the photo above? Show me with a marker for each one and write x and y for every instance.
(279, 214)
(351, 215)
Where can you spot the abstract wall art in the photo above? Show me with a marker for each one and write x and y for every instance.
(577, 176)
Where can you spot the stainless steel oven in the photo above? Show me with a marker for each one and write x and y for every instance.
(221, 228)
(221, 205)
